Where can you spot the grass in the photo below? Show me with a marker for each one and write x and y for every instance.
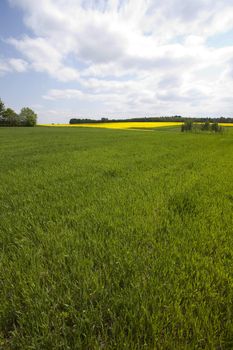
(115, 239)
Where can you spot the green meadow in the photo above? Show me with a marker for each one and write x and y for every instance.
(115, 239)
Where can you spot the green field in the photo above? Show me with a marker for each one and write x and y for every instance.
(115, 239)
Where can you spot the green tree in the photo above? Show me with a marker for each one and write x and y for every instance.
(104, 120)
(10, 117)
(2, 107)
(28, 117)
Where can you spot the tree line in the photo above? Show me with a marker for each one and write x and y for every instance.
(106, 120)
(175, 118)
(8, 117)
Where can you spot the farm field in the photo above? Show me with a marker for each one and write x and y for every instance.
(126, 125)
(115, 239)
(120, 125)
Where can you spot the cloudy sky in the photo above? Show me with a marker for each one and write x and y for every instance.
(117, 58)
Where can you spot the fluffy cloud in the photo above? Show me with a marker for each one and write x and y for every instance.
(13, 65)
(148, 56)
(43, 57)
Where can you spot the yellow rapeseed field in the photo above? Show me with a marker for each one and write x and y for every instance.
(124, 125)
(225, 124)
(119, 125)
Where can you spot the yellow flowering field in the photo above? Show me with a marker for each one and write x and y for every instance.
(124, 125)
(225, 124)
(119, 125)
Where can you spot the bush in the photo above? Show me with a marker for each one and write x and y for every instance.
(187, 126)
(206, 126)
(199, 127)
(216, 128)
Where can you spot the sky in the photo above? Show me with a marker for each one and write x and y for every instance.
(117, 58)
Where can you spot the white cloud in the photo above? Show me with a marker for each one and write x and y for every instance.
(44, 57)
(4, 68)
(140, 56)
(56, 94)
(13, 65)
(18, 65)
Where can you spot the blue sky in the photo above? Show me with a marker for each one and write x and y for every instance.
(117, 58)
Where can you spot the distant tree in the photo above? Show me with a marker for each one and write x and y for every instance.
(2, 107)
(28, 117)
(104, 120)
(10, 117)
